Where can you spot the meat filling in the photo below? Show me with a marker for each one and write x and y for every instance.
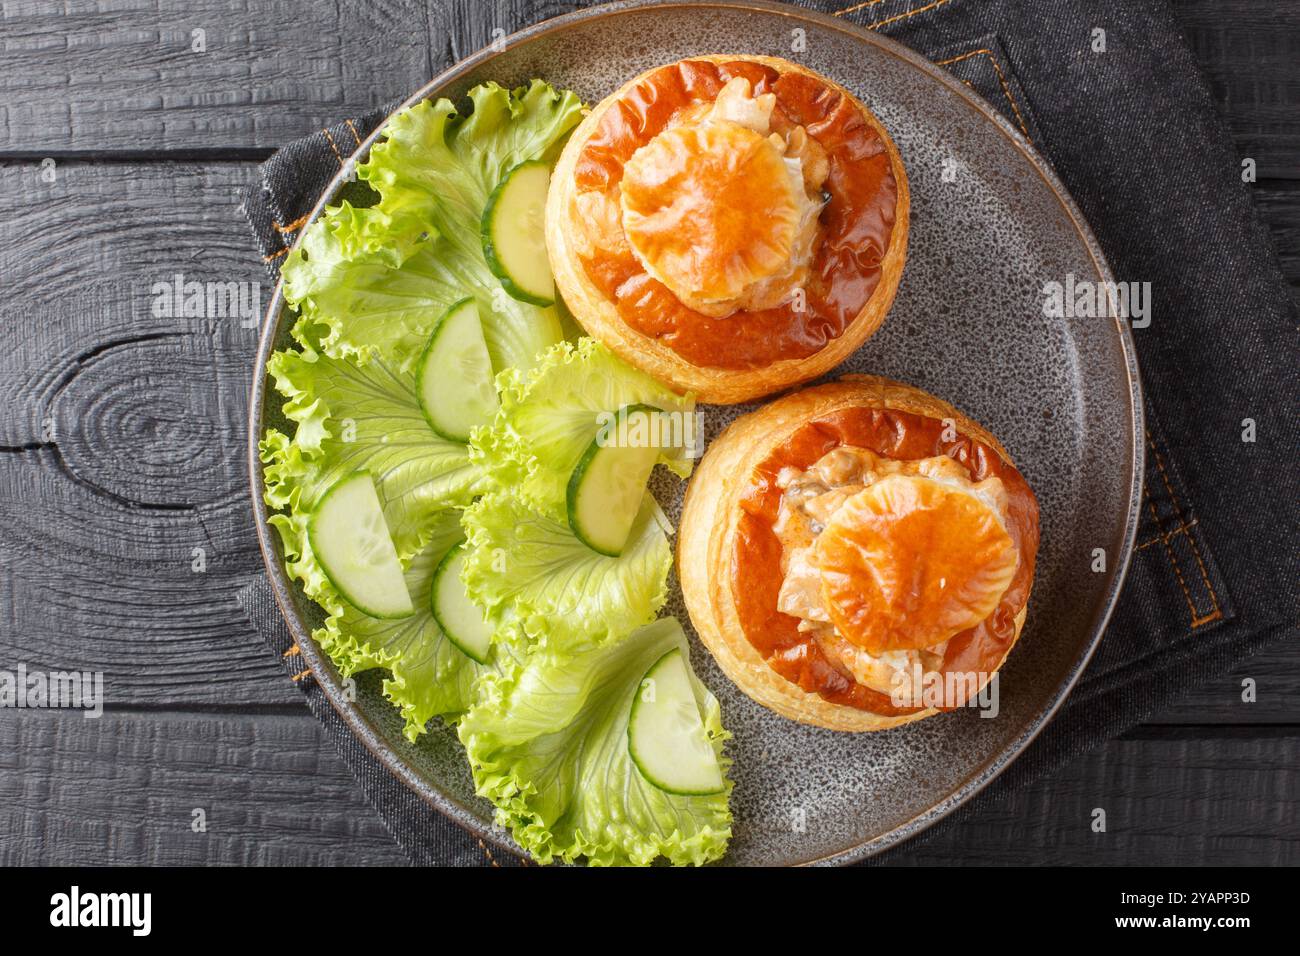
(809, 500)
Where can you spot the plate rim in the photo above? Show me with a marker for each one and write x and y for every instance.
(323, 669)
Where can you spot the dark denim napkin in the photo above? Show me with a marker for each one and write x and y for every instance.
(1134, 135)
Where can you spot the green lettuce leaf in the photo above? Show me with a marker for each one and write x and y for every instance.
(548, 746)
(374, 280)
(446, 165)
(545, 722)
(430, 676)
(366, 284)
(351, 417)
(529, 567)
(287, 470)
(550, 415)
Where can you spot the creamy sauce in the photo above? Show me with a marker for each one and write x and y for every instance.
(810, 499)
(759, 562)
(821, 271)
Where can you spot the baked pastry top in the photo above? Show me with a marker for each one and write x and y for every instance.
(844, 545)
(730, 224)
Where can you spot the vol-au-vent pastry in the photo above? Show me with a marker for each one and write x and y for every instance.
(858, 555)
(733, 225)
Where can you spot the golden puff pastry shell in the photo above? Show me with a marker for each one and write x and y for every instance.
(712, 511)
(599, 317)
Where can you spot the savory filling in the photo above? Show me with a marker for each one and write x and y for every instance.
(720, 207)
(885, 561)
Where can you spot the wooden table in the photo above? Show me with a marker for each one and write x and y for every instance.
(122, 451)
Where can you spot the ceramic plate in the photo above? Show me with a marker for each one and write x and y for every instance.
(967, 325)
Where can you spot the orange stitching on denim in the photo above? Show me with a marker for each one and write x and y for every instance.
(355, 134)
(1168, 535)
(860, 6)
(298, 677)
(293, 226)
(275, 255)
(1173, 561)
(904, 16)
(488, 853)
(1181, 529)
(1196, 551)
(888, 20)
(337, 154)
(1002, 79)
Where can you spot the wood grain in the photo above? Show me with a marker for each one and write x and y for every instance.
(125, 433)
(1276, 673)
(273, 793)
(99, 77)
(1226, 800)
(123, 789)
(122, 443)
(1278, 203)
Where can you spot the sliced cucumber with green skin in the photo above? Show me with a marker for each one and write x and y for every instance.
(454, 376)
(514, 233)
(458, 616)
(352, 545)
(606, 487)
(665, 734)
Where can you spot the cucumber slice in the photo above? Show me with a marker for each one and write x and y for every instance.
(665, 733)
(514, 237)
(606, 487)
(458, 616)
(454, 376)
(352, 545)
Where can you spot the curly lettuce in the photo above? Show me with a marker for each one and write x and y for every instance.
(529, 567)
(353, 417)
(429, 676)
(548, 746)
(369, 284)
(374, 280)
(550, 415)
(545, 722)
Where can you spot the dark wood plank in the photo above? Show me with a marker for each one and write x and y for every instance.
(471, 25)
(1248, 50)
(1276, 676)
(1278, 202)
(1227, 800)
(99, 77)
(121, 446)
(125, 432)
(122, 790)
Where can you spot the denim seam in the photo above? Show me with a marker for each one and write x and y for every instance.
(487, 853)
(1167, 535)
(330, 139)
(875, 25)
(1173, 561)
(1216, 612)
(1002, 80)
(293, 226)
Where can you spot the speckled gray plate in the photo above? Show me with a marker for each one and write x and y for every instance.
(968, 325)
